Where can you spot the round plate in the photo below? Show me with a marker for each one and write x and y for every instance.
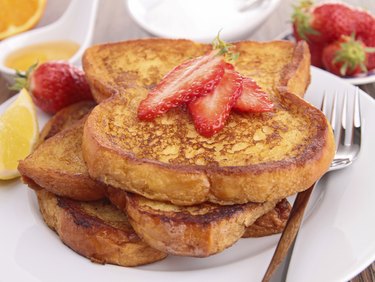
(335, 243)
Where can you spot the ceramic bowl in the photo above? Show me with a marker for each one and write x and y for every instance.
(76, 24)
(200, 20)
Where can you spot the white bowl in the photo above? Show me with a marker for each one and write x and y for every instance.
(200, 20)
(76, 24)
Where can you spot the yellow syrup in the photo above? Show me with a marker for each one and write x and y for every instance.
(25, 57)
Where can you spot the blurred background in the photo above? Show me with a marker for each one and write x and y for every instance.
(114, 23)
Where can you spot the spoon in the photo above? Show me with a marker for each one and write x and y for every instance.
(76, 24)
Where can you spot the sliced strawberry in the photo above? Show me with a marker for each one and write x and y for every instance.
(210, 112)
(184, 83)
(253, 98)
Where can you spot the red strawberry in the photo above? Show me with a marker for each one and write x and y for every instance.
(346, 56)
(333, 20)
(184, 83)
(365, 25)
(303, 23)
(253, 98)
(55, 85)
(210, 112)
(303, 29)
(326, 23)
(369, 40)
(316, 51)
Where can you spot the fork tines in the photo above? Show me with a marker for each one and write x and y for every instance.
(346, 126)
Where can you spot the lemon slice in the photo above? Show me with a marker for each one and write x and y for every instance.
(18, 134)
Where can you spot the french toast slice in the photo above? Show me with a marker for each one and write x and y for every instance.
(96, 230)
(113, 68)
(268, 156)
(65, 118)
(200, 230)
(57, 165)
(81, 225)
(272, 222)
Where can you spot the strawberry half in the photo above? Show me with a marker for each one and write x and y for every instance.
(210, 112)
(253, 98)
(184, 83)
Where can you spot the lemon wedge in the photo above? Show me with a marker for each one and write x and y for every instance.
(18, 134)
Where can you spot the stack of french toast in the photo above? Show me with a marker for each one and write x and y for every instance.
(120, 190)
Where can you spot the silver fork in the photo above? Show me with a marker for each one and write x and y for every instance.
(346, 153)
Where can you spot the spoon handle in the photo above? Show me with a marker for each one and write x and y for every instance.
(290, 232)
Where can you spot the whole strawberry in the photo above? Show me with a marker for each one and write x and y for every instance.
(55, 85)
(346, 57)
(321, 25)
(327, 22)
(334, 20)
(369, 40)
(303, 21)
(365, 25)
(304, 29)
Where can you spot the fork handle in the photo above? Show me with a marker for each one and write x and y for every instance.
(289, 233)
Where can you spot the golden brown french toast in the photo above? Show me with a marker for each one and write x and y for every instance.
(96, 230)
(212, 219)
(65, 118)
(254, 158)
(199, 230)
(271, 222)
(114, 68)
(57, 166)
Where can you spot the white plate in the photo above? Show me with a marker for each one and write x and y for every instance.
(336, 242)
(200, 20)
(358, 79)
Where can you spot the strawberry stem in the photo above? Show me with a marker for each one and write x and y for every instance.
(224, 48)
(301, 17)
(21, 80)
(352, 53)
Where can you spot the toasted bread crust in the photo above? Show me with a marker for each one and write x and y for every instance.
(197, 231)
(295, 76)
(186, 175)
(113, 68)
(271, 222)
(96, 230)
(186, 183)
(65, 118)
(57, 165)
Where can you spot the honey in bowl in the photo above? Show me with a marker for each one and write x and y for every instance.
(25, 57)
